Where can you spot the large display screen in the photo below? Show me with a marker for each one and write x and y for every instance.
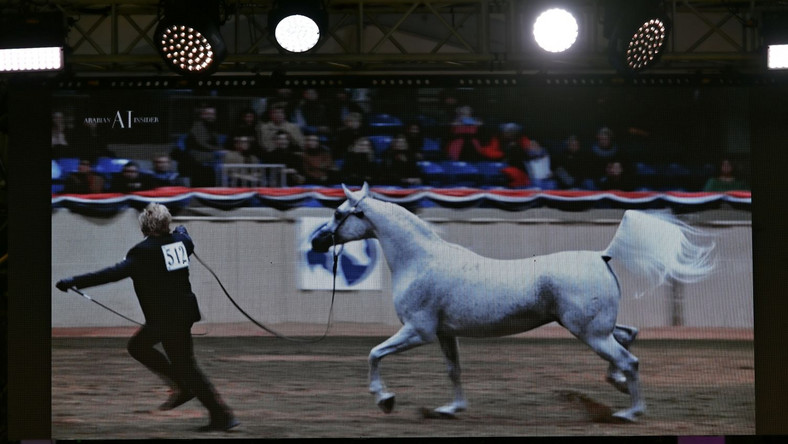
(507, 167)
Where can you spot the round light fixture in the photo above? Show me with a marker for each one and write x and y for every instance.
(189, 39)
(297, 33)
(187, 49)
(555, 30)
(646, 44)
(297, 25)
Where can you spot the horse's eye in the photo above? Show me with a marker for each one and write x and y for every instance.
(337, 215)
(359, 214)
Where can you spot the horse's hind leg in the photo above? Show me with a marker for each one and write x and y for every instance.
(625, 335)
(406, 338)
(617, 355)
(451, 350)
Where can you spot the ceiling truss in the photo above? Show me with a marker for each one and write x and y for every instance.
(114, 36)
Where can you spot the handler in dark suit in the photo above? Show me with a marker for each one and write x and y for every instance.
(159, 268)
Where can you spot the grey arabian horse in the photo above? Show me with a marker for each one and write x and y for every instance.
(443, 291)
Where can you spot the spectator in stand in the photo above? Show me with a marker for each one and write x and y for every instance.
(616, 177)
(163, 173)
(268, 132)
(340, 106)
(537, 164)
(287, 153)
(285, 98)
(84, 180)
(203, 148)
(510, 147)
(347, 135)
(398, 166)
(464, 140)
(726, 180)
(359, 165)
(244, 127)
(571, 165)
(318, 165)
(311, 115)
(603, 151)
(241, 151)
(131, 179)
(416, 139)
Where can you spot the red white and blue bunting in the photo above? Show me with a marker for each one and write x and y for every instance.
(506, 199)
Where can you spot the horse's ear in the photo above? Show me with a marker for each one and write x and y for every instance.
(365, 189)
(347, 192)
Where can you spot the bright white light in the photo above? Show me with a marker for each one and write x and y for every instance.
(31, 59)
(555, 30)
(297, 33)
(777, 57)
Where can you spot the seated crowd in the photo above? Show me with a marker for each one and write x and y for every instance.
(317, 145)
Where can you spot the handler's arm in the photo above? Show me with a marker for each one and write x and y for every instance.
(114, 273)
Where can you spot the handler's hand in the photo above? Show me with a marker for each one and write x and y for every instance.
(65, 284)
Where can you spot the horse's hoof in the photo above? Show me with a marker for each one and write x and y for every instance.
(436, 413)
(386, 402)
(627, 416)
(446, 412)
(620, 384)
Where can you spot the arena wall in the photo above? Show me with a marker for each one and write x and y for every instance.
(254, 253)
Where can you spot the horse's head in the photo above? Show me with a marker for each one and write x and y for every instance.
(348, 224)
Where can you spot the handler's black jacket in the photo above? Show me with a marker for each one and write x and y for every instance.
(159, 268)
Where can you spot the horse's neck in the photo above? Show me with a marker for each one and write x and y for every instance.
(402, 235)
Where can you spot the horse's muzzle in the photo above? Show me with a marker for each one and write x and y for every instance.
(322, 241)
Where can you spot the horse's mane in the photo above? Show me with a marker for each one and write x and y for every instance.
(403, 213)
(420, 225)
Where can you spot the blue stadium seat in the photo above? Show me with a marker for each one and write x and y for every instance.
(461, 174)
(110, 165)
(491, 174)
(68, 165)
(384, 120)
(432, 173)
(380, 143)
(431, 149)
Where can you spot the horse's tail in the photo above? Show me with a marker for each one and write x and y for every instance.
(660, 247)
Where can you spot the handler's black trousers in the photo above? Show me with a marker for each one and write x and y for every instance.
(179, 366)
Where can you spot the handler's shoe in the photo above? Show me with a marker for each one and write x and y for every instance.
(220, 425)
(176, 399)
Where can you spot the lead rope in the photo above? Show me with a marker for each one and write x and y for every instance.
(269, 329)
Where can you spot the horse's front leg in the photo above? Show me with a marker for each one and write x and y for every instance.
(406, 338)
(451, 351)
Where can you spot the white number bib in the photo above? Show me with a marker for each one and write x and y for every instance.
(175, 256)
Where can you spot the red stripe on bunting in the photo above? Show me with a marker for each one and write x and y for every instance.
(436, 194)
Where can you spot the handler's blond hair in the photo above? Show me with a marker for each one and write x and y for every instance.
(155, 220)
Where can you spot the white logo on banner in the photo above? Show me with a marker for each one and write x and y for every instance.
(358, 268)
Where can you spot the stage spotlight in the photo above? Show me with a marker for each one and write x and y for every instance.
(637, 32)
(297, 26)
(33, 42)
(774, 31)
(188, 36)
(555, 30)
